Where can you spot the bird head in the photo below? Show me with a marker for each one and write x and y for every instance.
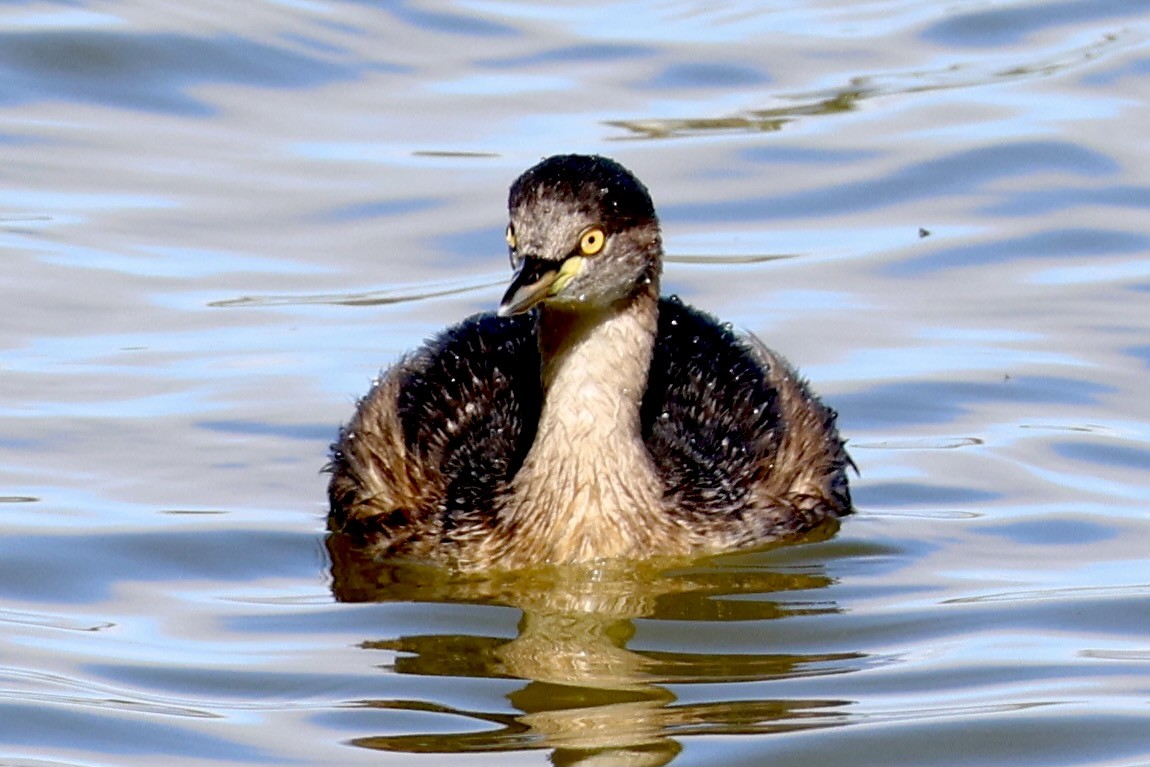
(583, 236)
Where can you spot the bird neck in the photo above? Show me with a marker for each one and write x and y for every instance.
(598, 361)
(587, 488)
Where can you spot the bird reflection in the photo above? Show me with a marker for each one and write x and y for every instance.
(588, 698)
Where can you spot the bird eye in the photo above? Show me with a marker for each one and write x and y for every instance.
(592, 241)
(512, 243)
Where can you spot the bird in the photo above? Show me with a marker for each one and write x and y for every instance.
(587, 418)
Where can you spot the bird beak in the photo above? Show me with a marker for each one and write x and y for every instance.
(537, 280)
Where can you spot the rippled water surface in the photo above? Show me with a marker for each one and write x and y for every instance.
(217, 221)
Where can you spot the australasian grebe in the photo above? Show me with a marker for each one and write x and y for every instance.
(587, 418)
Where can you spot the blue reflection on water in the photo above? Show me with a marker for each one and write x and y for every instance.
(1012, 23)
(1050, 243)
(958, 173)
(109, 68)
(946, 401)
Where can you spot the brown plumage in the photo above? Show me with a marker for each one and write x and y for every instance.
(587, 418)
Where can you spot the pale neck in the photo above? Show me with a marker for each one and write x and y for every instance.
(598, 362)
(587, 486)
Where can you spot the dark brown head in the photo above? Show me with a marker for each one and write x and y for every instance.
(583, 235)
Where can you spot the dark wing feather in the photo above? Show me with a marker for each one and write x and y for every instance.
(470, 404)
(438, 436)
(709, 414)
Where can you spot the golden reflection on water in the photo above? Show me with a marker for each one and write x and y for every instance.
(588, 697)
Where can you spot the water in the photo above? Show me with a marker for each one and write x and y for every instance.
(218, 221)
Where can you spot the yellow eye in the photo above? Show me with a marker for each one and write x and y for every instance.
(510, 235)
(592, 241)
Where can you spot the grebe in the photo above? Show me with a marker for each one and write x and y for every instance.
(587, 418)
